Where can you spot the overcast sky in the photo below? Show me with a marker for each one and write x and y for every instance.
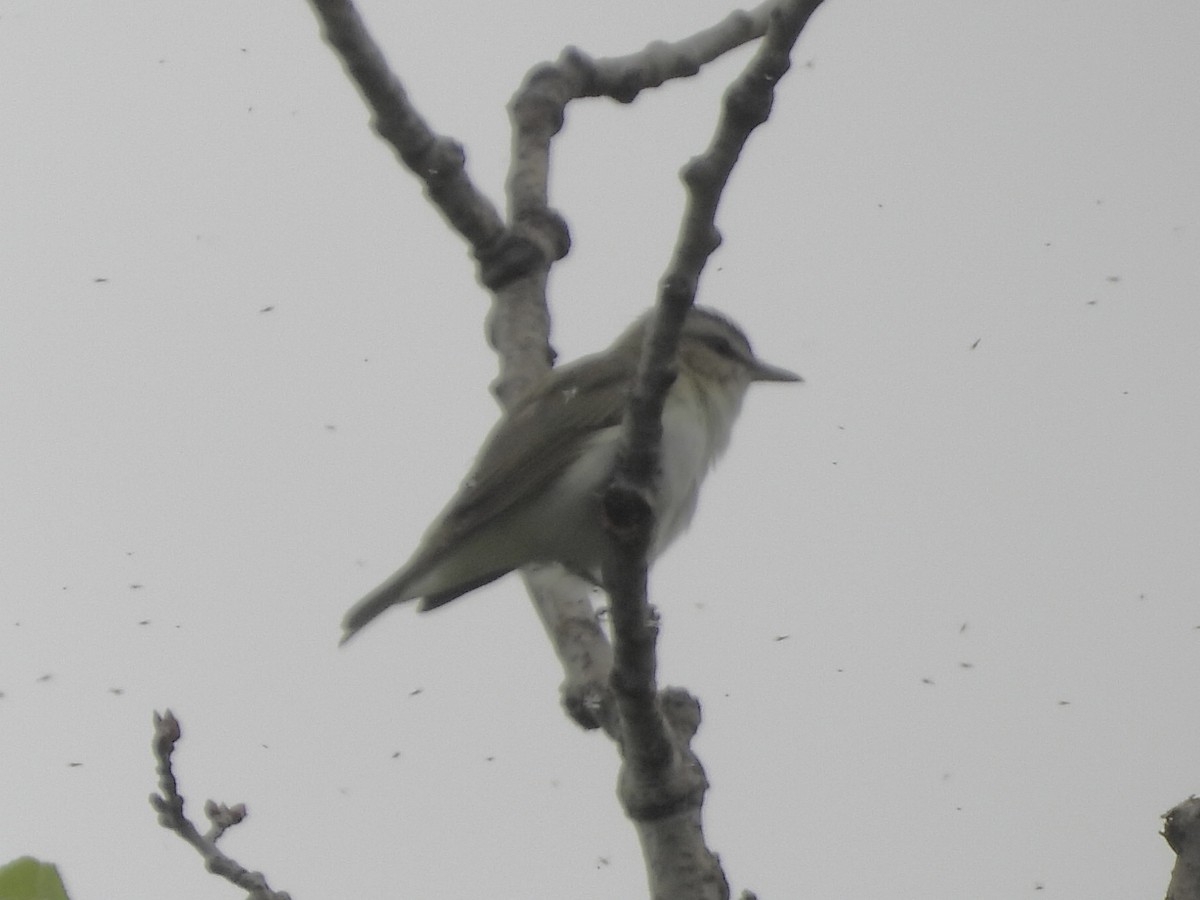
(941, 603)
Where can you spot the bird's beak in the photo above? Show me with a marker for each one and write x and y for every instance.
(761, 371)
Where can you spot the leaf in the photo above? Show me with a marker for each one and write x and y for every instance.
(28, 879)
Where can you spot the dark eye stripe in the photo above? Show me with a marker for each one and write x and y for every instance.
(721, 346)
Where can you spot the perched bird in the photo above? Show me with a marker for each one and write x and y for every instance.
(533, 494)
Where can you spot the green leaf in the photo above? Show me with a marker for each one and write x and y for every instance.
(28, 879)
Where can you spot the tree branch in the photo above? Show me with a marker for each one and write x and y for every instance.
(538, 109)
(1181, 829)
(169, 806)
(662, 782)
(438, 161)
(747, 105)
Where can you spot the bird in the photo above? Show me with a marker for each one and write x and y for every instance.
(533, 492)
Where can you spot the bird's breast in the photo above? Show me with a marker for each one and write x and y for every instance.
(695, 432)
(696, 429)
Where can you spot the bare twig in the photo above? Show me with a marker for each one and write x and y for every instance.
(438, 161)
(538, 109)
(513, 261)
(1181, 828)
(662, 782)
(169, 806)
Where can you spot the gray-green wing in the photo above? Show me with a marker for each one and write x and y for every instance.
(535, 442)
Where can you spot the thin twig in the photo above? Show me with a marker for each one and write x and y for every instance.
(169, 806)
(662, 783)
(440, 162)
(538, 109)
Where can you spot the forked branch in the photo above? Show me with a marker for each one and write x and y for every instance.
(169, 805)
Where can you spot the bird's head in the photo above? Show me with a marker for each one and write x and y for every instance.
(716, 352)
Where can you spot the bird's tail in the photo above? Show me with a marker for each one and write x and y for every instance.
(393, 591)
(436, 581)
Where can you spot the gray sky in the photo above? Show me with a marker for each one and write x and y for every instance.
(984, 560)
